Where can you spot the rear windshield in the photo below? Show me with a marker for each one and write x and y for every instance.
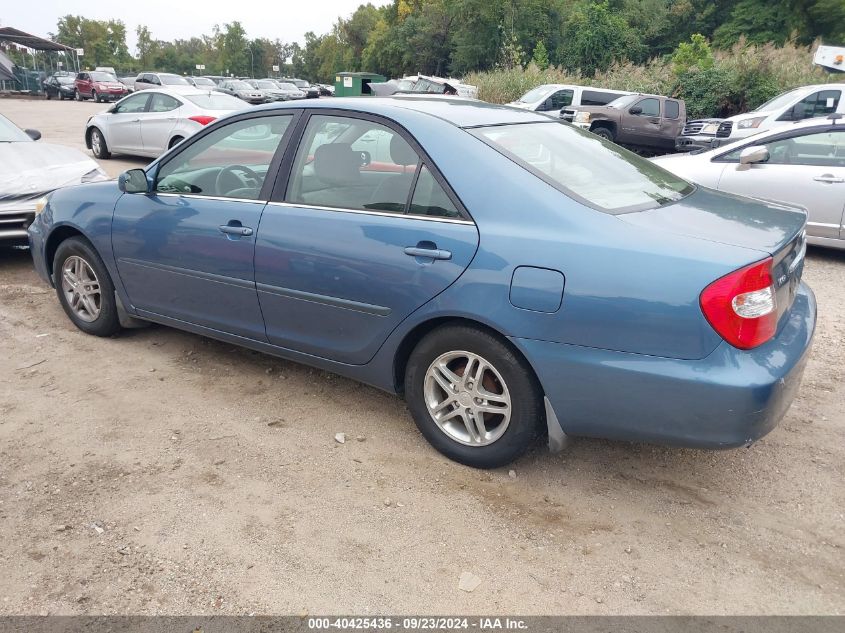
(173, 80)
(216, 102)
(585, 167)
(100, 76)
(287, 86)
(202, 81)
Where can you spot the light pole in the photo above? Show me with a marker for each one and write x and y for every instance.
(251, 62)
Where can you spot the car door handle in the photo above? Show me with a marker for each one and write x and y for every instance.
(829, 178)
(135, 121)
(431, 253)
(241, 231)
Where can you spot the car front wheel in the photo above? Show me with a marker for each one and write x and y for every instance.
(473, 396)
(604, 132)
(98, 144)
(85, 288)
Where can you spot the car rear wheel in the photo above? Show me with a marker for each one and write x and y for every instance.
(98, 144)
(85, 288)
(604, 132)
(78, 95)
(473, 396)
(175, 141)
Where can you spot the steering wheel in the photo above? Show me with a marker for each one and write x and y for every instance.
(240, 182)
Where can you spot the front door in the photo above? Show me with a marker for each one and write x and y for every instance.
(360, 241)
(642, 124)
(806, 169)
(124, 121)
(185, 251)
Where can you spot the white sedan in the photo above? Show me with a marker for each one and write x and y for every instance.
(150, 122)
(801, 164)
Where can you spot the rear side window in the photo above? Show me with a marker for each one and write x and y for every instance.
(605, 176)
(673, 109)
(431, 199)
(163, 103)
(597, 97)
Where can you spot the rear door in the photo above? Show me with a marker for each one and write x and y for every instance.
(806, 169)
(124, 124)
(349, 248)
(158, 122)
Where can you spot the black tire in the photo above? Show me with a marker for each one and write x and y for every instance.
(78, 95)
(103, 151)
(61, 96)
(526, 397)
(175, 141)
(107, 322)
(605, 133)
(95, 96)
(48, 95)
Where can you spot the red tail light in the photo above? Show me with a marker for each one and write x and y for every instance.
(742, 307)
(202, 119)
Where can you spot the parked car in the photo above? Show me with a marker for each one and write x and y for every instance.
(215, 78)
(203, 83)
(31, 170)
(150, 122)
(270, 88)
(129, 82)
(242, 90)
(60, 85)
(553, 98)
(98, 86)
(419, 277)
(642, 122)
(803, 164)
(802, 103)
(290, 91)
(311, 92)
(145, 81)
(325, 90)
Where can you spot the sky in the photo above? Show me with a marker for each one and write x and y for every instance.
(171, 19)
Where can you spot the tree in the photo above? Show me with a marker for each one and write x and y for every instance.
(104, 41)
(695, 54)
(595, 37)
(540, 56)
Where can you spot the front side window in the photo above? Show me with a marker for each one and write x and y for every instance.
(135, 103)
(605, 176)
(331, 169)
(822, 149)
(650, 107)
(817, 104)
(163, 103)
(561, 99)
(230, 162)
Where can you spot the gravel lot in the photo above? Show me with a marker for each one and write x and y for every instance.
(159, 472)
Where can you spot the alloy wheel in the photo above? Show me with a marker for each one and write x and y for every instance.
(467, 398)
(81, 289)
(96, 143)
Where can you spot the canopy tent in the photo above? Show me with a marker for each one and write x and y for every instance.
(15, 36)
(7, 68)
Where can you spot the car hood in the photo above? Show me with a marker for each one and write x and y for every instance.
(727, 219)
(749, 115)
(33, 169)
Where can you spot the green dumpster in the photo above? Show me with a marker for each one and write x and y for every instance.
(355, 84)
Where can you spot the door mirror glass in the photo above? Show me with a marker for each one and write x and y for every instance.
(753, 154)
(133, 181)
(636, 110)
(33, 134)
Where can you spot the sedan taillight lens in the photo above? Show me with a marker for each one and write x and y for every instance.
(742, 307)
(202, 119)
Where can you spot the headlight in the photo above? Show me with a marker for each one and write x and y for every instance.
(40, 205)
(582, 117)
(95, 175)
(747, 123)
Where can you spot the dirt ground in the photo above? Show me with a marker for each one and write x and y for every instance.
(160, 472)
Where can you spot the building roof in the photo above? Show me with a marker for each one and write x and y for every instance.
(16, 36)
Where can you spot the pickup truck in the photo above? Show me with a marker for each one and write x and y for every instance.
(640, 122)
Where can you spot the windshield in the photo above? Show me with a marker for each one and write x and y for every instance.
(173, 80)
(63, 79)
(217, 101)
(240, 85)
(781, 101)
(287, 86)
(604, 177)
(11, 133)
(202, 81)
(623, 102)
(265, 84)
(104, 77)
(537, 94)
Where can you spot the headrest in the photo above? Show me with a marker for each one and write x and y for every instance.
(337, 164)
(400, 152)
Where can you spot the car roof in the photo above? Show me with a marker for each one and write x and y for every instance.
(180, 91)
(461, 112)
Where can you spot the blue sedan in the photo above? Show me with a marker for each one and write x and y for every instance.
(512, 276)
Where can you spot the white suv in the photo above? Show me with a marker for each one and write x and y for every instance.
(802, 103)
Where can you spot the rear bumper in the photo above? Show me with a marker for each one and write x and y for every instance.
(728, 399)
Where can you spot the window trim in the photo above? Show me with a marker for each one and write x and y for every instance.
(267, 187)
(280, 192)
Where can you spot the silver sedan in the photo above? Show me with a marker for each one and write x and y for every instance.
(801, 164)
(150, 122)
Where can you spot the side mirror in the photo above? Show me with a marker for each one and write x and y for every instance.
(133, 181)
(752, 155)
(33, 134)
(366, 158)
(636, 110)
